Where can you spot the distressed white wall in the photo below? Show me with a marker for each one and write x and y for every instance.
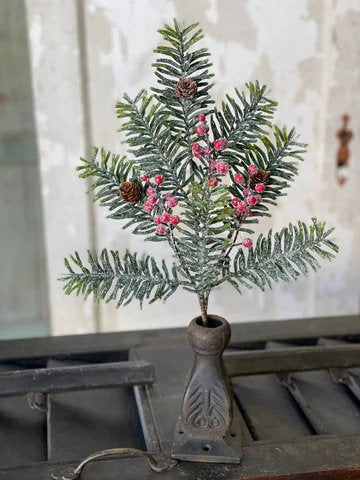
(306, 51)
(59, 112)
(23, 292)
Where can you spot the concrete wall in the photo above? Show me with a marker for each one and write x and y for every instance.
(23, 291)
(85, 54)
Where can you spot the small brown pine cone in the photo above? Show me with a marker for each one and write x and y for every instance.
(130, 192)
(261, 176)
(186, 88)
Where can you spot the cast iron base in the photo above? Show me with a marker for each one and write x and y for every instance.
(211, 449)
(159, 406)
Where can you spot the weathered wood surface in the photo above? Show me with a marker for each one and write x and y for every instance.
(77, 426)
(262, 463)
(277, 437)
(67, 378)
(292, 359)
(257, 333)
(22, 431)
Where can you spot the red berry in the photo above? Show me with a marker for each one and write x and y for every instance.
(238, 178)
(160, 230)
(158, 179)
(144, 177)
(201, 117)
(150, 191)
(165, 217)
(148, 207)
(247, 243)
(252, 200)
(253, 169)
(151, 199)
(157, 220)
(201, 129)
(235, 202)
(213, 164)
(212, 182)
(221, 144)
(259, 187)
(172, 202)
(241, 207)
(248, 212)
(206, 150)
(222, 167)
(195, 146)
(174, 220)
(246, 192)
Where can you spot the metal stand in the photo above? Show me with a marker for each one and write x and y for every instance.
(206, 430)
(202, 432)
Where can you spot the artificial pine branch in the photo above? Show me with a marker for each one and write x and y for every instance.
(110, 278)
(223, 167)
(155, 146)
(243, 120)
(205, 219)
(278, 158)
(282, 256)
(179, 61)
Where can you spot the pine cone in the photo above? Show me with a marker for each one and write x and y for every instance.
(130, 192)
(186, 88)
(261, 176)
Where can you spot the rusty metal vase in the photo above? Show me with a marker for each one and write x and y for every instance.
(203, 430)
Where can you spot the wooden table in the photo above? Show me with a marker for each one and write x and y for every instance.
(296, 386)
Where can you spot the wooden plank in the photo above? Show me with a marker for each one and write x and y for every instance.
(327, 404)
(82, 422)
(22, 431)
(242, 334)
(268, 409)
(324, 457)
(292, 359)
(82, 377)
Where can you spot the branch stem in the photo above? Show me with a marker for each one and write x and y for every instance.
(203, 301)
(172, 242)
(233, 244)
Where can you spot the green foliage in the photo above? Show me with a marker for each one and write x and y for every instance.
(201, 243)
(110, 278)
(242, 120)
(279, 158)
(110, 171)
(282, 256)
(155, 147)
(159, 130)
(179, 60)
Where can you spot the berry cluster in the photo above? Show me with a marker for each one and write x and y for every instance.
(216, 167)
(251, 197)
(207, 153)
(160, 205)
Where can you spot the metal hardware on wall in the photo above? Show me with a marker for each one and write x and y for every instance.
(344, 134)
